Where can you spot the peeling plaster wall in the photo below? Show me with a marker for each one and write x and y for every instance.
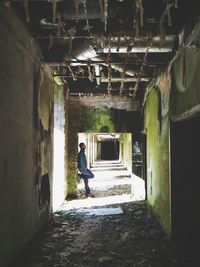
(25, 141)
(185, 84)
(45, 99)
(157, 125)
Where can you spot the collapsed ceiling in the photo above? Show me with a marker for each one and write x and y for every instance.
(104, 47)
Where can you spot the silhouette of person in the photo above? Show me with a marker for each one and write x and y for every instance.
(85, 172)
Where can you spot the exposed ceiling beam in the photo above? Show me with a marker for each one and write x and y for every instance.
(129, 79)
(124, 39)
(138, 49)
(106, 79)
(93, 63)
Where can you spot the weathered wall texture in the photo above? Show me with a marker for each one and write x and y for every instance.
(25, 138)
(184, 102)
(157, 126)
(185, 84)
(126, 150)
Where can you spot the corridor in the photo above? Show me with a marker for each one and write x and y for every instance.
(122, 77)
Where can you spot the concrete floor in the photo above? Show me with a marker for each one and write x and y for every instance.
(115, 182)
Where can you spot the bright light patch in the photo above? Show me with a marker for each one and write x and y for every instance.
(58, 172)
(100, 211)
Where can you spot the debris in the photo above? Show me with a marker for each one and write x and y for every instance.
(105, 259)
(101, 211)
(82, 239)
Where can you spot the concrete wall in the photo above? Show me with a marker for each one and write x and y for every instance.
(126, 150)
(157, 125)
(182, 103)
(59, 165)
(25, 138)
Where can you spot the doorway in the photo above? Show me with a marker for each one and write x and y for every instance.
(109, 149)
(144, 161)
(185, 184)
(109, 156)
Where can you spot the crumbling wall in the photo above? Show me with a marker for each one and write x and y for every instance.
(25, 137)
(156, 123)
(44, 126)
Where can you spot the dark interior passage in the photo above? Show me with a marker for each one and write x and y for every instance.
(113, 70)
(109, 150)
(185, 147)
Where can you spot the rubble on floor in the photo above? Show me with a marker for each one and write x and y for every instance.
(130, 239)
(110, 191)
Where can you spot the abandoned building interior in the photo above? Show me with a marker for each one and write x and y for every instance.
(122, 76)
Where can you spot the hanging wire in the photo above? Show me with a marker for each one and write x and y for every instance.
(102, 11)
(121, 89)
(90, 73)
(26, 9)
(109, 88)
(86, 15)
(76, 4)
(149, 43)
(166, 13)
(72, 33)
(126, 61)
(74, 76)
(105, 14)
(54, 4)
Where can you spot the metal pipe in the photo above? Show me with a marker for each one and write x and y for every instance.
(129, 79)
(93, 63)
(105, 14)
(97, 72)
(115, 50)
(106, 79)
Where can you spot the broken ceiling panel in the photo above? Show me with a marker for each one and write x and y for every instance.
(105, 47)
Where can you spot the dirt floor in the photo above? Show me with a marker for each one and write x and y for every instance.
(114, 229)
(75, 239)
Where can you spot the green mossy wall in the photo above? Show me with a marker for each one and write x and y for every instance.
(83, 119)
(185, 83)
(157, 159)
(126, 149)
